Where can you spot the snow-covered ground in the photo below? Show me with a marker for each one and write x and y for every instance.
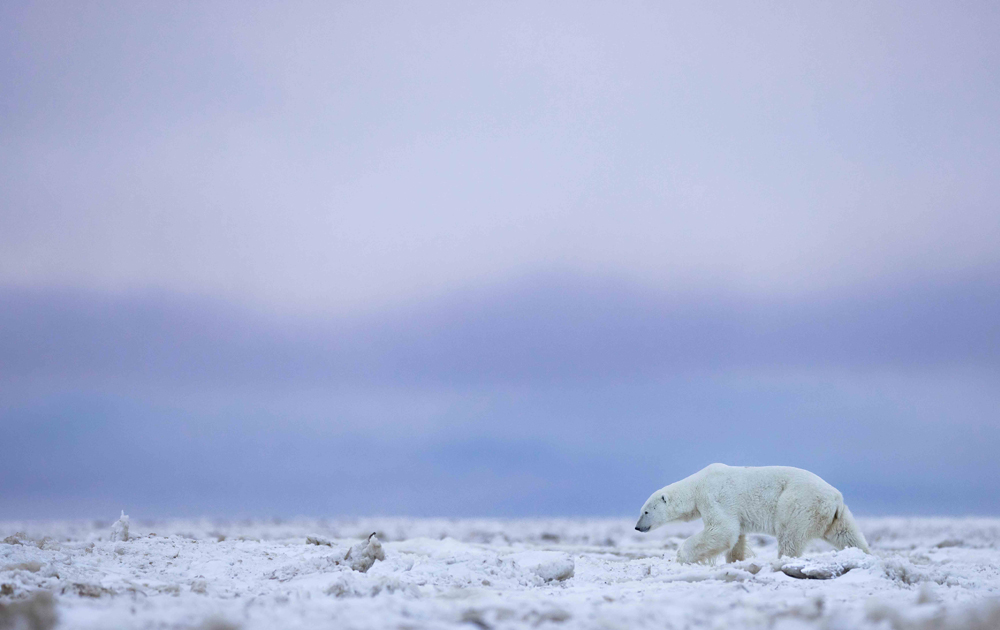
(551, 573)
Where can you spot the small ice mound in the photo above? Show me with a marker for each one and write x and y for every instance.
(362, 556)
(119, 531)
(548, 565)
(17, 538)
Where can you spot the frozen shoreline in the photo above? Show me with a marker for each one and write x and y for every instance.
(488, 573)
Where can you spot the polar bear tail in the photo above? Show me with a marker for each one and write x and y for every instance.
(844, 531)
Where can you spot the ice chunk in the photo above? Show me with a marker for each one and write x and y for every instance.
(119, 531)
(824, 566)
(362, 556)
(548, 565)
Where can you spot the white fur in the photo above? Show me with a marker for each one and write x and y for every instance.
(791, 504)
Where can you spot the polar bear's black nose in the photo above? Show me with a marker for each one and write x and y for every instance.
(637, 528)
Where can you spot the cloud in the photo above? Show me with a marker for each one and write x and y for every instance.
(543, 328)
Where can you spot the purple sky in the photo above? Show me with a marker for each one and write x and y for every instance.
(591, 247)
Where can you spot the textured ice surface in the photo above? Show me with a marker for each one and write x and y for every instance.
(926, 574)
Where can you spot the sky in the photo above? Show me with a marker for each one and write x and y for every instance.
(494, 259)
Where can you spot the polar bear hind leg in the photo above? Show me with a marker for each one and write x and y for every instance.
(802, 516)
(791, 544)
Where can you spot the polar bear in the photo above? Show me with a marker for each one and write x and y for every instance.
(791, 504)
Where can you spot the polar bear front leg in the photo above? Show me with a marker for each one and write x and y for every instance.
(709, 542)
(740, 550)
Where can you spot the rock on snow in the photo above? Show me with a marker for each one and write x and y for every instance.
(362, 557)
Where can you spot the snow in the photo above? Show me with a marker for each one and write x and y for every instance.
(925, 574)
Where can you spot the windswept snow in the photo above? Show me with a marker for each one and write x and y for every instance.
(926, 574)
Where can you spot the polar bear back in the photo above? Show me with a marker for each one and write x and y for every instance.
(759, 496)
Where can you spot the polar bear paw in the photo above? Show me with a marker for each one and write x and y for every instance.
(688, 556)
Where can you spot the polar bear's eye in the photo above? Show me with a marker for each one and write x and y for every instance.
(646, 512)
(664, 499)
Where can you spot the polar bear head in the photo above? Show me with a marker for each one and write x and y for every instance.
(655, 512)
(672, 503)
